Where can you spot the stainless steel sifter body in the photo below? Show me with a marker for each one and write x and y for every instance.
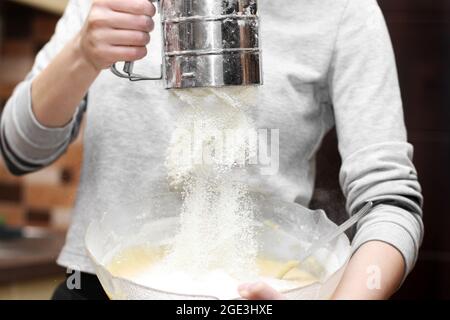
(207, 43)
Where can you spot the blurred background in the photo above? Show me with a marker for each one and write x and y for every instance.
(35, 209)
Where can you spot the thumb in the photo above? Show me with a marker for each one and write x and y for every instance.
(259, 291)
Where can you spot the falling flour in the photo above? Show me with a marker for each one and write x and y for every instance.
(207, 153)
(215, 247)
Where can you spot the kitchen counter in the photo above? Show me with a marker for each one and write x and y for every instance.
(30, 258)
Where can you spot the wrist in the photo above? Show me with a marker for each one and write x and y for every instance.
(81, 59)
(69, 71)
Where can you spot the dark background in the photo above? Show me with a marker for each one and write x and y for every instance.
(420, 31)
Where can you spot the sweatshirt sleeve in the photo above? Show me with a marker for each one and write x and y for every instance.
(25, 144)
(376, 157)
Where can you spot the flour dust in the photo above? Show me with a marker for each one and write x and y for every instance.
(206, 160)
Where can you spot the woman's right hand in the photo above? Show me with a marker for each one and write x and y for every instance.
(116, 30)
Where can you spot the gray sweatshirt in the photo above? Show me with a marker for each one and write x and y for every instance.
(326, 63)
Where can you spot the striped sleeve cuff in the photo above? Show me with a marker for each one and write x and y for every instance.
(26, 144)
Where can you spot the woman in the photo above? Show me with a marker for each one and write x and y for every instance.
(337, 68)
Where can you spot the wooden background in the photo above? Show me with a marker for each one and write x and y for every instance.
(44, 198)
(420, 31)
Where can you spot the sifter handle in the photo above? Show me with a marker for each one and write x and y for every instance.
(129, 65)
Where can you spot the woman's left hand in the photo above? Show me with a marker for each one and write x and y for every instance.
(259, 291)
